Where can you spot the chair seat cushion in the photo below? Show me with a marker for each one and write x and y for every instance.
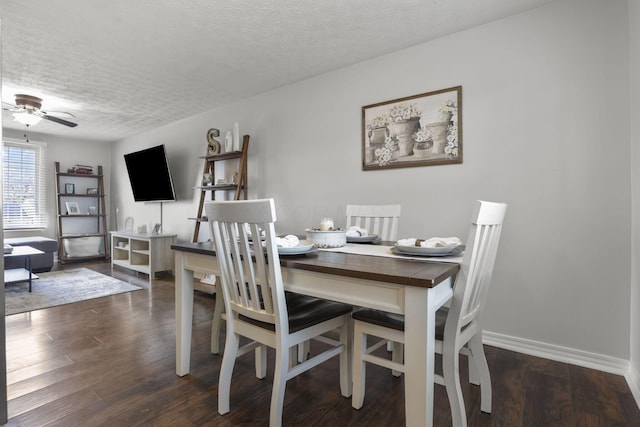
(305, 311)
(396, 321)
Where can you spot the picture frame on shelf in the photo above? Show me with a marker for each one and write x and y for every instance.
(418, 130)
(72, 208)
(69, 188)
(92, 191)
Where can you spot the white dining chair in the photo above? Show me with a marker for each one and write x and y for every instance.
(258, 308)
(377, 219)
(458, 328)
(381, 220)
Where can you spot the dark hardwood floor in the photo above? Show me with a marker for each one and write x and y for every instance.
(111, 362)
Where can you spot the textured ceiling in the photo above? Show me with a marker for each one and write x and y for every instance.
(126, 66)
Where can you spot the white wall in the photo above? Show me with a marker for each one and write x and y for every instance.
(546, 130)
(69, 153)
(634, 23)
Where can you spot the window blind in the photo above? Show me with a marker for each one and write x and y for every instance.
(24, 189)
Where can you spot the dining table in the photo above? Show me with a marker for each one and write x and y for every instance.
(368, 276)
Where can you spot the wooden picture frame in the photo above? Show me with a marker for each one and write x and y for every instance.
(69, 188)
(72, 208)
(92, 191)
(418, 130)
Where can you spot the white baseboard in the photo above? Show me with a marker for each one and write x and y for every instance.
(633, 379)
(568, 355)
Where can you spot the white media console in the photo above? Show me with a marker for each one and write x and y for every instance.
(142, 252)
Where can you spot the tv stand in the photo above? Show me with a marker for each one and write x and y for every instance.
(142, 252)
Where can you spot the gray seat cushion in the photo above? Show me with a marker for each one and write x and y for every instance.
(396, 321)
(305, 311)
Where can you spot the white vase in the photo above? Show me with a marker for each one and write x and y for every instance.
(228, 142)
(236, 137)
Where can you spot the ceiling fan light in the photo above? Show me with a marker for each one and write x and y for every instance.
(26, 118)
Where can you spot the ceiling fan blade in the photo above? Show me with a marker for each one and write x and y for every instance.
(9, 107)
(59, 120)
(58, 113)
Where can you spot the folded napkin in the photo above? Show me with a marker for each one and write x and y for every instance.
(434, 242)
(288, 241)
(247, 229)
(355, 231)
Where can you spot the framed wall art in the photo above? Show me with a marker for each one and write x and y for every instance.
(419, 130)
(69, 188)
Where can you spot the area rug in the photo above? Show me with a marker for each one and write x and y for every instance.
(61, 287)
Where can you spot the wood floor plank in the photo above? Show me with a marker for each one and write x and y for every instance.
(595, 394)
(548, 401)
(111, 362)
(508, 374)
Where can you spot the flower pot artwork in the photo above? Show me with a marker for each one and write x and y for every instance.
(444, 116)
(403, 130)
(377, 136)
(422, 150)
(439, 136)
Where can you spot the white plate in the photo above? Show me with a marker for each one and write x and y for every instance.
(303, 247)
(420, 251)
(298, 252)
(362, 239)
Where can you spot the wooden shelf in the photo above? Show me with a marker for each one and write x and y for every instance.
(217, 187)
(224, 156)
(81, 175)
(79, 195)
(240, 187)
(79, 236)
(94, 224)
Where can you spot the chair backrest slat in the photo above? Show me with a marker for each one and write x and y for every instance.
(472, 283)
(249, 265)
(377, 219)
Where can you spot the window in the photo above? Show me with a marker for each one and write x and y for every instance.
(23, 192)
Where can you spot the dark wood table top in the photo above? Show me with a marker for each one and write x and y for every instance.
(385, 269)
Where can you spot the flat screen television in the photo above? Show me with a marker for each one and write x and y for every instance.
(149, 175)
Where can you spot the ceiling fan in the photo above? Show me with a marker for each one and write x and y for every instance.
(27, 111)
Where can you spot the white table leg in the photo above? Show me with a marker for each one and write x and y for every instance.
(184, 316)
(418, 358)
(216, 322)
(419, 352)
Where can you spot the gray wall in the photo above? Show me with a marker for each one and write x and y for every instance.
(546, 130)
